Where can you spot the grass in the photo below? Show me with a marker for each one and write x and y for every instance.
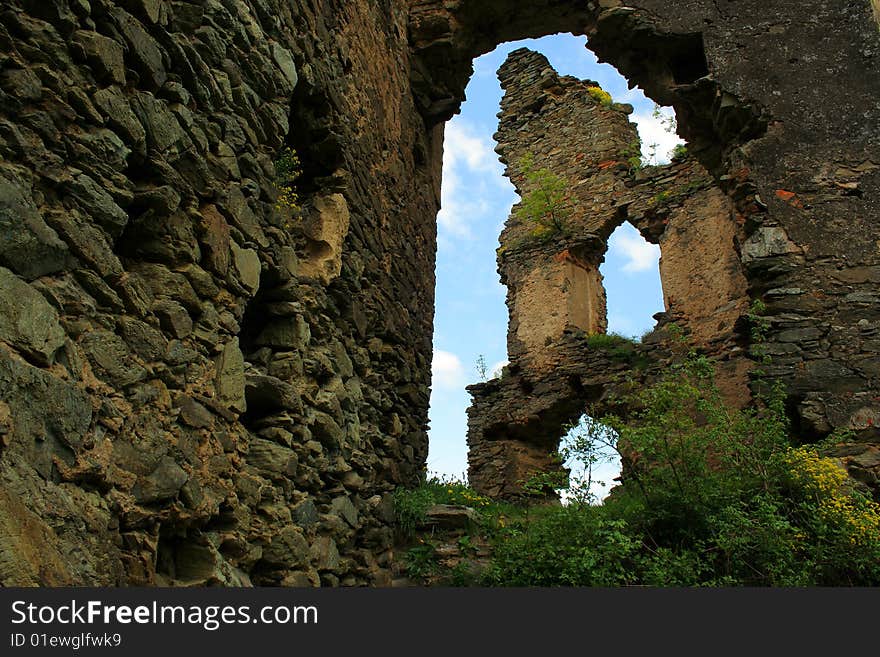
(617, 347)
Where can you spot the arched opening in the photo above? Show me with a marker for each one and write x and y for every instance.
(591, 459)
(631, 277)
(470, 319)
(593, 186)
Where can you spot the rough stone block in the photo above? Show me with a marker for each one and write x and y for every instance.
(27, 321)
(28, 246)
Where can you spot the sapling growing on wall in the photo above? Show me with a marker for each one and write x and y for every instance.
(545, 205)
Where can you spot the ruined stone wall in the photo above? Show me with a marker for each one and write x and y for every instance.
(541, 114)
(197, 386)
(581, 137)
(784, 124)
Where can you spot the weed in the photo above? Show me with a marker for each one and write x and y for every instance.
(421, 561)
(546, 204)
(600, 96)
(287, 171)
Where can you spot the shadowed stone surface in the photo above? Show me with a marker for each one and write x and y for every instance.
(143, 134)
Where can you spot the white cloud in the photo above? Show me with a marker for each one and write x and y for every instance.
(640, 255)
(447, 370)
(653, 130)
(495, 370)
(469, 161)
(463, 144)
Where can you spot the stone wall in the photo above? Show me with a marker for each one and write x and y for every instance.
(554, 289)
(197, 387)
(782, 123)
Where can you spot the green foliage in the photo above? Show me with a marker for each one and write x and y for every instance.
(600, 96)
(462, 574)
(410, 507)
(448, 490)
(661, 197)
(633, 156)
(421, 561)
(679, 152)
(606, 340)
(545, 205)
(758, 328)
(563, 546)
(287, 170)
(669, 123)
(614, 345)
(545, 484)
(712, 496)
(586, 445)
(482, 368)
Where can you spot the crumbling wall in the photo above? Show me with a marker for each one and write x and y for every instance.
(782, 124)
(196, 387)
(552, 123)
(201, 385)
(568, 127)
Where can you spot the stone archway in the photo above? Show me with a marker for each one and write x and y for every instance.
(742, 117)
(559, 363)
(120, 404)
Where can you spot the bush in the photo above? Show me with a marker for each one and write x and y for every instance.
(711, 496)
(545, 204)
(633, 156)
(287, 170)
(411, 506)
(600, 96)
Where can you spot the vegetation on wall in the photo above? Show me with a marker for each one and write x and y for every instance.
(633, 156)
(546, 205)
(287, 170)
(711, 496)
(600, 96)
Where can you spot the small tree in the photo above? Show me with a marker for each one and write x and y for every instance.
(482, 368)
(545, 205)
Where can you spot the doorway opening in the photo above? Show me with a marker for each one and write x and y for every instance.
(471, 320)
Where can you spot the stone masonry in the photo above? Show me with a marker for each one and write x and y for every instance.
(555, 295)
(198, 386)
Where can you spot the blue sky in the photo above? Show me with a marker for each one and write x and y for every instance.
(471, 318)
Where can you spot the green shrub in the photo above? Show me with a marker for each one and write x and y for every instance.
(633, 156)
(613, 345)
(287, 170)
(564, 546)
(410, 507)
(421, 561)
(711, 496)
(545, 204)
